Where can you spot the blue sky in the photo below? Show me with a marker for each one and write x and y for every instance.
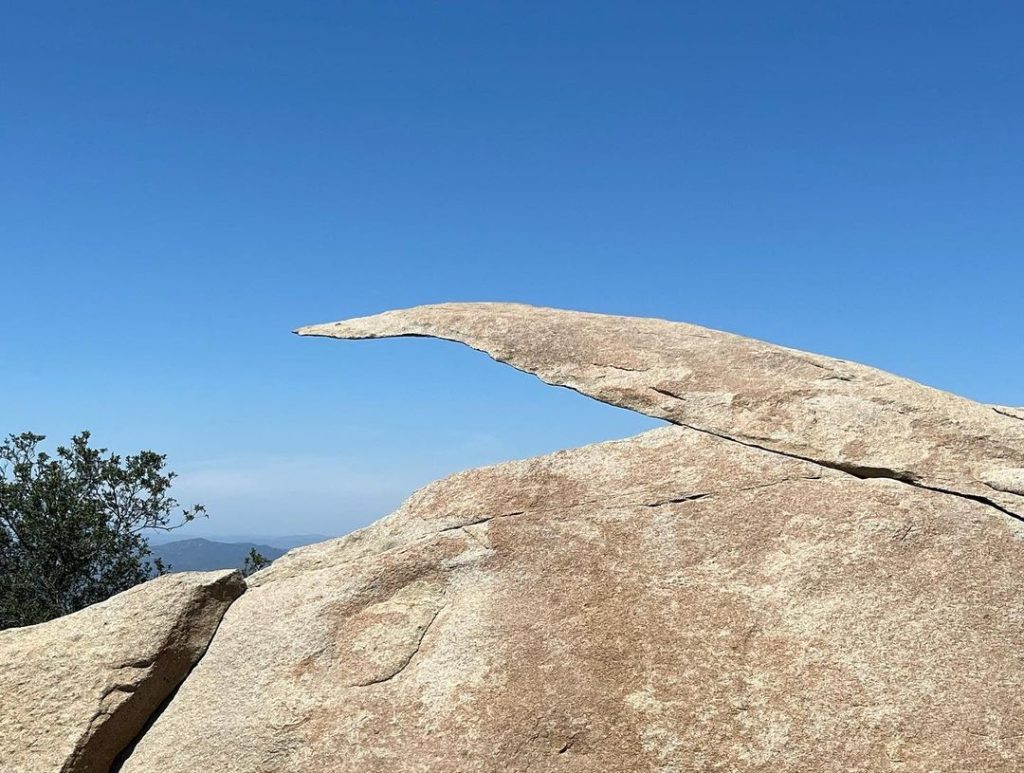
(181, 184)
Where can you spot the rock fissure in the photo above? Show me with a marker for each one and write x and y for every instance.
(623, 368)
(125, 751)
(476, 522)
(1012, 413)
(677, 500)
(78, 689)
(865, 473)
(409, 658)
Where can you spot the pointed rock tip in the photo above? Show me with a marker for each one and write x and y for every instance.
(398, 322)
(349, 328)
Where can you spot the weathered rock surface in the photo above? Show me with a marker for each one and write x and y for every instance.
(75, 691)
(817, 569)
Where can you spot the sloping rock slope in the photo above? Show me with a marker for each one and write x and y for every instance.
(75, 691)
(815, 567)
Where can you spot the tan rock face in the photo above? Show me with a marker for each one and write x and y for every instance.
(75, 691)
(696, 598)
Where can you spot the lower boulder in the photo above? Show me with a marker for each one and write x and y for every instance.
(74, 692)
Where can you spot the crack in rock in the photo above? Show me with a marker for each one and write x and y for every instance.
(677, 500)
(408, 659)
(1013, 413)
(869, 473)
(78, 689)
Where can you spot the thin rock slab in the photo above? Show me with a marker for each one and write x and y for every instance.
(671, 602)
(859, 419)
(75, 691)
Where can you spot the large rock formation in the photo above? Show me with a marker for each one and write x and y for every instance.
(75, 691)
(860, 420)
(815, 567)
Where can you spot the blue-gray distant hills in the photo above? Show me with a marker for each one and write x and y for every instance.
(201, 554)
(191, 555)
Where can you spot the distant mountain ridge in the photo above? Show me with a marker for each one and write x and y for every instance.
(201, 555)
(280, 541)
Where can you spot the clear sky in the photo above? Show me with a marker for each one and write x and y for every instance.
(183, 183)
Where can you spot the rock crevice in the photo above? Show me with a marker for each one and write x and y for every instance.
(877, 473)
(107, 670)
